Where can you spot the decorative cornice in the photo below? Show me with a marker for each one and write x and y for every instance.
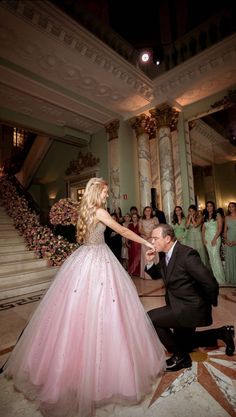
(50, 20)
(85, 77)
(209, 134)
(112, 129)
(208, 145)
(199, 77)
(46, 111)
(226, 101)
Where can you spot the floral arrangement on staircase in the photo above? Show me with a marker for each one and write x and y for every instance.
(65, 212)
(38, 238)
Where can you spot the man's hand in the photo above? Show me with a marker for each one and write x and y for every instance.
(149, 256)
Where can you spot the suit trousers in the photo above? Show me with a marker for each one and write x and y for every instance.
(176, 338)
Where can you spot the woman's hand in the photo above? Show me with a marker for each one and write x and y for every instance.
(230, 243)
(150, 256)
(150, 245)
(213, 242)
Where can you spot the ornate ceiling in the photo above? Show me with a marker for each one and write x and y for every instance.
(53, 71)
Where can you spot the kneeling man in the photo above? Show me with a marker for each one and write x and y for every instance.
(191, 291)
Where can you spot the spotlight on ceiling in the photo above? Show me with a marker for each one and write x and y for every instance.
(145, 56)
(157, 56)
(157, 61)
(149, 56)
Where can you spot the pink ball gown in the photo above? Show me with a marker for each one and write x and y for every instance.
(89, 341)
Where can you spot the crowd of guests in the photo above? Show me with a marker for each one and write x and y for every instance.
(213, 235)
(210, 232)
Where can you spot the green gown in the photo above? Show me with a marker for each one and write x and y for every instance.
(180, 231)
(230, 252)
(214, 251)
(194, 240)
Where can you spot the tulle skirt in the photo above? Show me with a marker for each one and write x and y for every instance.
(89, 342)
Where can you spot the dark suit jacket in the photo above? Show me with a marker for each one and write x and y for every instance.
(191, 289)
(160, 215)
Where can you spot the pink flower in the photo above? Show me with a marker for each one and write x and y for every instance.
(40, 238)
(65, 212)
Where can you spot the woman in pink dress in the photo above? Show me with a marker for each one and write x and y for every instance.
(82, 347)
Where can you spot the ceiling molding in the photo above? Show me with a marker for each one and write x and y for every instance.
(54, 70)
(206, 73)
(44, 17)
(208, 146)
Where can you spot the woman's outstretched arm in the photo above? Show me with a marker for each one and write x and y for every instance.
(104, 217)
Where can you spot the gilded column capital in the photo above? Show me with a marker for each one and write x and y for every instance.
(112, 129)
(165, 115)
(143, 124)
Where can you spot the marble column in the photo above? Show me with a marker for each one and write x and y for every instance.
(143, 129)
(191, 196)
(177, 168)
(112, 129)
(166, 120)
(155, 171)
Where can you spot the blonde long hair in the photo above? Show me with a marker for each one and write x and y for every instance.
(90, 202)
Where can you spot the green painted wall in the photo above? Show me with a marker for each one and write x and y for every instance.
(129, 184)
(225, 184)
(50, 177)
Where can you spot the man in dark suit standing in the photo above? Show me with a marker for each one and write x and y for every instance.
(191, 291)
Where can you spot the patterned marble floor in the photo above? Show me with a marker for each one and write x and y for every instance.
(207, 389)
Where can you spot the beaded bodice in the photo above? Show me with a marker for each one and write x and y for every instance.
(96, 237)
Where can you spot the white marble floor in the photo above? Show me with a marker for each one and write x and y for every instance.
(207, 389)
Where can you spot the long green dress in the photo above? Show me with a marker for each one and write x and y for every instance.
(194, 240)
(180, 230)
(214, 251)
(230, 251)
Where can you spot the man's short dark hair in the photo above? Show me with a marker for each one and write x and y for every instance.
(167, 230)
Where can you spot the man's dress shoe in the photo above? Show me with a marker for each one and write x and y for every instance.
(226, 333)
(177, 362)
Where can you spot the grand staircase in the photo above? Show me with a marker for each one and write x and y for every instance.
(20, 271)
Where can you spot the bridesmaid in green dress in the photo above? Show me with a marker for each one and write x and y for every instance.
(211, 231)
(194, 232)
(230, 244)
(178, 224)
